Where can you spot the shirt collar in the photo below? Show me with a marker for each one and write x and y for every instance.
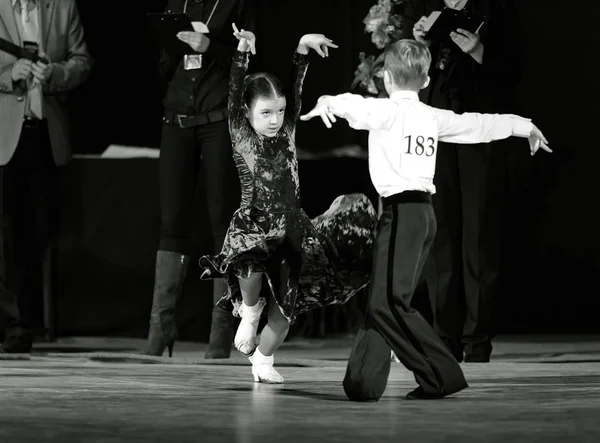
(403, 94)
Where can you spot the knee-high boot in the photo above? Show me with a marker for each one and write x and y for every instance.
(171, 269)
(222, 325)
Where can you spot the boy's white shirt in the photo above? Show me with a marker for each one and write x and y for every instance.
(404, 135)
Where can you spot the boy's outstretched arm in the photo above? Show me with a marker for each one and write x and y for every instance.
(470, 127)
(360, 112)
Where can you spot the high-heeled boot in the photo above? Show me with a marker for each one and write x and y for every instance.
(171, 269)
(245, 337)
(263, 370)
(222, 325)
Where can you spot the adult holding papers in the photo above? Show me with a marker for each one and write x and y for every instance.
(474, 69)
(195, 152)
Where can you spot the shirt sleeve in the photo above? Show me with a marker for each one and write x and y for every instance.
(365, 113)
(468, 128)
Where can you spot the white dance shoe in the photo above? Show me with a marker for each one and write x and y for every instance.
(245, 337)
(394, 358)
(263, 370)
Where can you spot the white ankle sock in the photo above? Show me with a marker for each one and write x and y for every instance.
(259, 357)
(253, 308)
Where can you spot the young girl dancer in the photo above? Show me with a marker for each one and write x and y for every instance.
(305, 264)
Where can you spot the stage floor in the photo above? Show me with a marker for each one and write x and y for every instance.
(542, 389)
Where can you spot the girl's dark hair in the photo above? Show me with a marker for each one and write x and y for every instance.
(261, 85)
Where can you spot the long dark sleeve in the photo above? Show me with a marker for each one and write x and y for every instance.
(299, 68)
(167, 65)
(237, 78)
(235, 105)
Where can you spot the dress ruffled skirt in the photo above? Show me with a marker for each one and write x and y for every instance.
(307, 263)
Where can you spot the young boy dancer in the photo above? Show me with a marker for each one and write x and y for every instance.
(403, 139)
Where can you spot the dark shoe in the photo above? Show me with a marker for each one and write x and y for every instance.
(477, 358)
(171, 269)
(17, 344)
(419, 394)
(479, 353)
(221, 334)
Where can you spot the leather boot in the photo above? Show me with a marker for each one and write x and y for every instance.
(171, 269)
(222, 325)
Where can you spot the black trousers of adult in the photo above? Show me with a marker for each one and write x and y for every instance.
(404, 236)
(463, 267)
(29, 220)
(193, 160)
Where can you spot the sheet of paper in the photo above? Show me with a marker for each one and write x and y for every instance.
(200, 27)
(123, 152)
(431, 20)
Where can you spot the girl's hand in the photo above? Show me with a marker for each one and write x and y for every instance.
(247, 40)
(318, 42)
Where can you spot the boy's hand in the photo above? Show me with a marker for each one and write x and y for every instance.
(537, 141)
(321, 110)
(247, 40)
(318, 42)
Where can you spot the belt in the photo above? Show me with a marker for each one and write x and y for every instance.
(189, 121)
(407, 197)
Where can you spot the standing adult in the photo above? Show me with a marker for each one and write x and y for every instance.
(470, 72)
(34, 143)
(196, 154)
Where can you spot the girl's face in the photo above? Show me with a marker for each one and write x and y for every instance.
(266, 115)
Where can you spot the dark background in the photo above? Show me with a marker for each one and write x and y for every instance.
(551, 238)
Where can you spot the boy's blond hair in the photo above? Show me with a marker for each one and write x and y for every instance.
(408, 62)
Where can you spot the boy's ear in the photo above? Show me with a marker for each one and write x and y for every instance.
(387, 79)
(426, 83)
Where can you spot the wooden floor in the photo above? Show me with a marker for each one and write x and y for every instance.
(539, 389)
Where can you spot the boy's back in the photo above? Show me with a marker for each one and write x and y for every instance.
(402, 152)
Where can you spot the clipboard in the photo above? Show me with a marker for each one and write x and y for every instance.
(439, 25)
(165, 28)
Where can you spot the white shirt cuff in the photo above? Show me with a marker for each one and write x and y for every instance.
(522, 127)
